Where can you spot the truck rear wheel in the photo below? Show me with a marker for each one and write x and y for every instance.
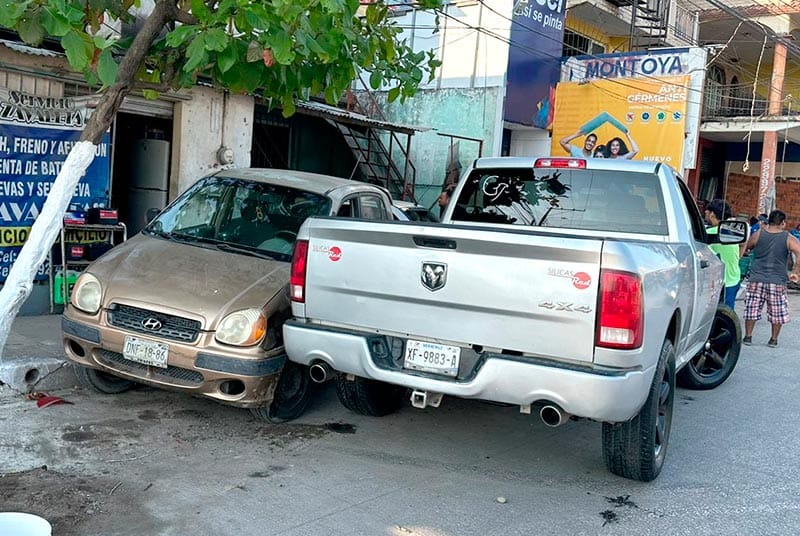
(291, 398)
(715, 363)
(369, 397)
(102, 382)
(636, 449)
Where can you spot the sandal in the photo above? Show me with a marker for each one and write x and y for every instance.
(747, 340)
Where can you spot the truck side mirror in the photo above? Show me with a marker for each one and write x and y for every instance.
(731, 232)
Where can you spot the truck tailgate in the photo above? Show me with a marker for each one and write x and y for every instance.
(516, 291)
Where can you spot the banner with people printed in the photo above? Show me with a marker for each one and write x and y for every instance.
(635, 119)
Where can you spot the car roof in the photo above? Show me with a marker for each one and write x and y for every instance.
(302, 180)
(591, 163)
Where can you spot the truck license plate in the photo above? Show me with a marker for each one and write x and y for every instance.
(145, 352)
(431, 357)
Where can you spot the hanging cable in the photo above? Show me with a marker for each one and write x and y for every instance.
(746, 165)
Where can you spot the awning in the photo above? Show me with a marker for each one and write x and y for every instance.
(736, 129)
(341, 115)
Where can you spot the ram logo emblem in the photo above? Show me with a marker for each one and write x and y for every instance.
(434, 275)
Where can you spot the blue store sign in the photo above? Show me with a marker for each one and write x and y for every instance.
(534, 61)
(36, 135)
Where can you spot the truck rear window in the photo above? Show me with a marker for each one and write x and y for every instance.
(598, 200)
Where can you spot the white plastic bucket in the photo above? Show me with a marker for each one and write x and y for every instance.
(20, 524)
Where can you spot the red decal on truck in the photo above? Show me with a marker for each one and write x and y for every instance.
(581, 280)
(334, 253)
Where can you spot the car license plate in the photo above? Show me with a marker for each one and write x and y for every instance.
(431, 357)
(145, 352)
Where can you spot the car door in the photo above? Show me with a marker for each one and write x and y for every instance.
(707, 269)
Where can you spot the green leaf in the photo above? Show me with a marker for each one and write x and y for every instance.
(282, 48)
(375, 79)
(10, 12)
(149, 94)
(199, 10)
(180, 35)
(394, 93)
(217, 40)
(30, 29)
(56, 24)
(107, 68)
(75, 47)
(196, 54)
(287, 103)
(227, 58)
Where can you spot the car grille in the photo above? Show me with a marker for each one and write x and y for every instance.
(173, 375)
(172, 327)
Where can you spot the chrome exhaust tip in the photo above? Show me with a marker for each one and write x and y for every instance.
(320, 372)
(553, 416)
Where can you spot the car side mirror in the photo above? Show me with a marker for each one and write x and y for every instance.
(151, 214)
(731, 232)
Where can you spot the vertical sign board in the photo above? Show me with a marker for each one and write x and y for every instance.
(644, 119)
(642, 87)
(534, 61)
(36, 135)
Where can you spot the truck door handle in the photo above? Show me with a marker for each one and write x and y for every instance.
(704, 264)
(439, 243)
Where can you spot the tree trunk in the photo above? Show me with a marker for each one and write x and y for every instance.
(19, 284)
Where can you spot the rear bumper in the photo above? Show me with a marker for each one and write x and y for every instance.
(603, 395)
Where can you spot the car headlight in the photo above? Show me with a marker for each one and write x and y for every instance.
(242, 328)
(87, 295)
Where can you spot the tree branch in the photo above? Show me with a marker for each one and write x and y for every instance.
(164, 11)
(185, 17)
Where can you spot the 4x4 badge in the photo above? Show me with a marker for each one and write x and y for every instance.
(434, 275)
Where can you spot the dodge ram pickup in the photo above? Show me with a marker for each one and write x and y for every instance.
(577, 287)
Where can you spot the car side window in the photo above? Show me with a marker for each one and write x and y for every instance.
(698, 228)
(370, 207)
(346, 209)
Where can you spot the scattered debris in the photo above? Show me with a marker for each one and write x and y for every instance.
(502, 500)
(609, 516)
(147, 487)
(115, 488)
(622, 500)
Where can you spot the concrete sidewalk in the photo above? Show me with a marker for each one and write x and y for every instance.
(33, 358)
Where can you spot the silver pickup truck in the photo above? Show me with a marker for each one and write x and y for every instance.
(577, 287)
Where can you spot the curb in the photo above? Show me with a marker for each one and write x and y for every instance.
(37, 374)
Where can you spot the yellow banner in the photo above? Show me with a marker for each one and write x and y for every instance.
(622, 118)
(14, 236)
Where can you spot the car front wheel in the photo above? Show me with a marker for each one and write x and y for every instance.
(716, 361)
(102, 382)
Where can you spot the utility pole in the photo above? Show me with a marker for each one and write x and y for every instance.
(769, 152)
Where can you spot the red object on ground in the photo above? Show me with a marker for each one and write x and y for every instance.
(46, 401)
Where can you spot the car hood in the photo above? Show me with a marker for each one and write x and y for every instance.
(195, 281)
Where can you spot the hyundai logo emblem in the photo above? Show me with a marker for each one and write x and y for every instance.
(151, 324)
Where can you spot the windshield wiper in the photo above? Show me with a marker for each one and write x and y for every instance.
(260, 253)
(159, 233)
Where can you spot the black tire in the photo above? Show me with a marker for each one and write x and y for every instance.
(369, 397)
(715, 363)
(636, 449)
(292, 395)
(102, 382)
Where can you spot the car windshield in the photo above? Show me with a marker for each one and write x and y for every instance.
(259, 218)
(600, 200)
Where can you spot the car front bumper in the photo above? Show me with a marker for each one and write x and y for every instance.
(201, 368)
(608, 395)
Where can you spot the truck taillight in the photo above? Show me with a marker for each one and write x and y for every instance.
(620, 319)
(297, 281)
(575, 163)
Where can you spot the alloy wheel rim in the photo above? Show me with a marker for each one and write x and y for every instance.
(711, 361)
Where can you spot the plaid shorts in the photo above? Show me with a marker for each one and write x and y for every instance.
(775, 297)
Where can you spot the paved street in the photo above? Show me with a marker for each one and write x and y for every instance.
(155, 463)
